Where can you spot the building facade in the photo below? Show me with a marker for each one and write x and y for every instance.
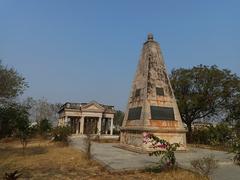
(87, 118)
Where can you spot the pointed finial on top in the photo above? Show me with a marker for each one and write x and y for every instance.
(150, 37)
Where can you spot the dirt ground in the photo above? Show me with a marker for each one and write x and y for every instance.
(45, 160)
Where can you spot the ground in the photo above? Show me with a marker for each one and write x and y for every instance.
(45, 160)
(116, 159)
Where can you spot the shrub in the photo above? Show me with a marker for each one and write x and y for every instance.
(23, 132)
(221, 134)
(237, 129)
(44, 126)
(163, 149)
(236, 150)
(200, 136)
(12, 175)
(61, 133)
(23, 136)
(205, 165)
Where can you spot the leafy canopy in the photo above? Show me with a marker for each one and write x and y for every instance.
(13, 119)
(12, 83)
(203, 91)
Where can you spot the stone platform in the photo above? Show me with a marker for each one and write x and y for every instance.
(116, 159)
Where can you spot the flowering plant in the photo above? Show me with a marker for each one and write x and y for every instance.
(162, 148)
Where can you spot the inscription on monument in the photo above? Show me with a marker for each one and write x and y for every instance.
(162, 113)
(159, 91)
(137, 93)
(134, 113)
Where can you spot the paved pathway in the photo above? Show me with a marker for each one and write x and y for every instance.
(116, 159)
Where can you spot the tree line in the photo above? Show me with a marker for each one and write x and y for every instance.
(20, 118)
(203, 93)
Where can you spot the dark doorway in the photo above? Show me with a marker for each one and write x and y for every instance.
(90, 125)
(73, 125)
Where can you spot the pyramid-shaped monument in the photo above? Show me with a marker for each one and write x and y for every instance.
(151, 106)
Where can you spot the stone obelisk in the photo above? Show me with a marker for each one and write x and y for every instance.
(151, 106)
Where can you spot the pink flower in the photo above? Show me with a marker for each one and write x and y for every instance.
(145, 135)
(145, 141)
(162, 146)
(168, 163)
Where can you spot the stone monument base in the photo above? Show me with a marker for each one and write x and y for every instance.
(132, 138)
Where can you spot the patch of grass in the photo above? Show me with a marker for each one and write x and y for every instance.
(44, 160)
(205, 165)
(204, 146)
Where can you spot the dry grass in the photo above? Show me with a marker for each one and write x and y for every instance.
(204, 146)
(44, 160)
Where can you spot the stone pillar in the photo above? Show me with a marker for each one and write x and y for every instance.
(77, 126)
(66, 120)
(106, 125)
(111, 127)
(99, 125)
(81, 125)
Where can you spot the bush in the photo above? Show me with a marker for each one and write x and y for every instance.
(236, 150)
(237, 129)
(61, 133)
(220, 135)
(163, 149)
(205, 165)
(200, 136)
(12, 175)
(44, 126)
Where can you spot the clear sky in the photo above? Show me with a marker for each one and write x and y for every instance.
(73, 50)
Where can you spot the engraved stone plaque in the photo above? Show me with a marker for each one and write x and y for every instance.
(134, 113)
(162, 113)
(137, 93)
(159, 91)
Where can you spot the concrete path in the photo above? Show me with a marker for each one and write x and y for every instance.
(116, 159)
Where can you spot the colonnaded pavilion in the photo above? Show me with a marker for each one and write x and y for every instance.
(87, 118)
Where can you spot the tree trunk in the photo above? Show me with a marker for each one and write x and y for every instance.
(189, 133)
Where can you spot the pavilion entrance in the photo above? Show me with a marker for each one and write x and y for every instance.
(74, 124)
(90, 125)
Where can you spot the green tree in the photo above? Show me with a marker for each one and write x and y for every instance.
(237, 129)
(61, 134)
(44, 126)
(233, 116)
(14, 119)
(118, 119)
(203, 91)
(12, 83)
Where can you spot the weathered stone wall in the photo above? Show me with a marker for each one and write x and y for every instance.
(135, 140)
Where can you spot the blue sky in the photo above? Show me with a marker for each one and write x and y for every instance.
(73, 50)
